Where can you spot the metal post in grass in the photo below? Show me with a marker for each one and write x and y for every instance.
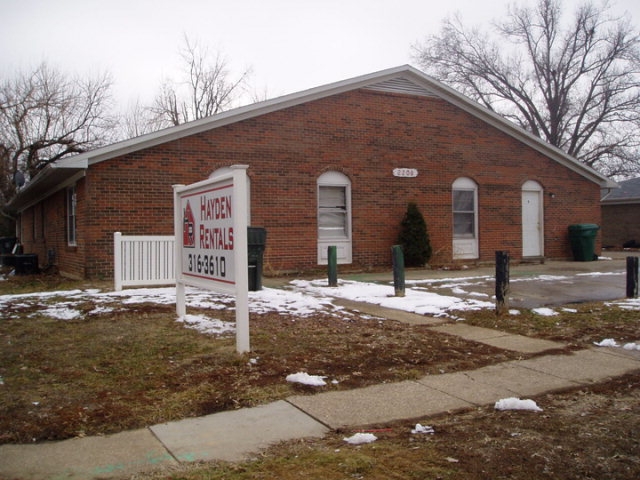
(398, 270)
(632, 277)
(332, 265)
(502, 282)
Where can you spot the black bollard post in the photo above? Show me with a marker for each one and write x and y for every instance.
(632, 277)
(398, 270)
(332, 263)
(502, 283)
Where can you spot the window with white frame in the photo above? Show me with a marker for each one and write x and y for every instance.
(465, 196)
(71, 215)
(334, 216)
(332, 212)
(334, 204)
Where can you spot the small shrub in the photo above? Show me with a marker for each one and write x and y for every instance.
(414, 238)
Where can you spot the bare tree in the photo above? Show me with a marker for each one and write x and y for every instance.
(137, 120)
(575, 83)
(206, 89)
(44, 116)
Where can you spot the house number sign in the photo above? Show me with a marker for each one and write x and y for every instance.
(405, 172)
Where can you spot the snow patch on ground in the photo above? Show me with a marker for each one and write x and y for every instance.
(416, 300)
(611, 343)
(513, 403)
(306, 379)
(436, 297)
(424, 429)
(361, 438)
(209, 326)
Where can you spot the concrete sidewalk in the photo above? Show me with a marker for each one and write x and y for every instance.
(236, 435)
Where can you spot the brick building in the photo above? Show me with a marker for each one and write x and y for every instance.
(621, 215)
(334, 165)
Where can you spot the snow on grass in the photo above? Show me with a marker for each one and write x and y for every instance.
(513, 403)
(626, 304)
(361, 438)
(306, 379)
(300, 298)
(415, 300)
(545, 312)
(62, 312)
(209, 326)
(424, 429)
(294, 302)
(611, 343)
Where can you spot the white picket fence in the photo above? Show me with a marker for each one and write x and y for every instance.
(143, 260)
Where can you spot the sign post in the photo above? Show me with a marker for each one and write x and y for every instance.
(210, 219)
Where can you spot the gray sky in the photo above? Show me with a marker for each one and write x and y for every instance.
(290, 45)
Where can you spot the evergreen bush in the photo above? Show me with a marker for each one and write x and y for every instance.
(414, 238)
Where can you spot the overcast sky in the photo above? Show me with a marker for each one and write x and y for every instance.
(290, 45)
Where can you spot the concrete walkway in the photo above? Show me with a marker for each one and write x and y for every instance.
(235, 435)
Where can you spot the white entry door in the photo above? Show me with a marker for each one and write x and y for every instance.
(532, 220)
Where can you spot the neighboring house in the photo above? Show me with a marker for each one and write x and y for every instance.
(621, 215)
(334, 165)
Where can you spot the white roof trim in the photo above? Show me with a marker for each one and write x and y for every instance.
(620, 201)
(373, 80)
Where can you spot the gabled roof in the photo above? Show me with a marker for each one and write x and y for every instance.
(402, 79)
(629, 192)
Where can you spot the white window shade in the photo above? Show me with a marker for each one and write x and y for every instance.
(334, 216)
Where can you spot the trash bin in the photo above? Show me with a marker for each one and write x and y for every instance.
(583, 241)
(6, 245)
(256, 241)
(26, 264)
(8, 260)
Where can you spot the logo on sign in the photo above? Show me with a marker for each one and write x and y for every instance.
(188, 227)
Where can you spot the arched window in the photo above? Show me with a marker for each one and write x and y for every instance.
(465, 218)
(334, 216)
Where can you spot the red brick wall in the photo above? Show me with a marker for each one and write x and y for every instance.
(620, 224)
(365, 135)
(50, 232)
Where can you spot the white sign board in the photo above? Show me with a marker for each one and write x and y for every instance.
(211, 242)
(208, 235)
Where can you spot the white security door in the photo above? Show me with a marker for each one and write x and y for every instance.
(532, 223)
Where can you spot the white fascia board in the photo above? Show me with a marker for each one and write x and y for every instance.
(621, 201)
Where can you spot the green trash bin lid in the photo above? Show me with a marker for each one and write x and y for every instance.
(581, 227)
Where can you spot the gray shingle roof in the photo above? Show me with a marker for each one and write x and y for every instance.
(629, 191)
